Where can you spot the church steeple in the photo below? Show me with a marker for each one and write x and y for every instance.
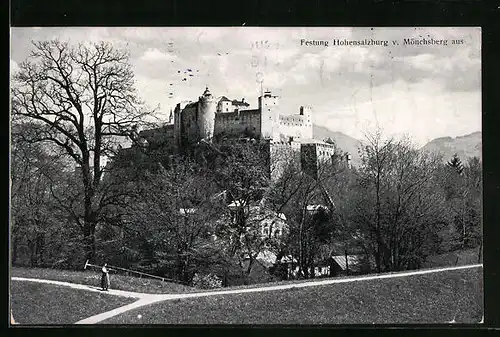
(171, 117)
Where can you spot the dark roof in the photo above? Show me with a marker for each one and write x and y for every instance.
(236, 102)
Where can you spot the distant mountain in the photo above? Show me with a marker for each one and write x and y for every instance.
(343, 141)
(464, 146)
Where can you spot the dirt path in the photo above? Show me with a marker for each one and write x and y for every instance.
(146, 299)
(82, 287)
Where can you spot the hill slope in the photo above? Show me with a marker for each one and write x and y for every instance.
(465, 146)
(343, 141)
(92, 278)
(35, 303)
(439, 297)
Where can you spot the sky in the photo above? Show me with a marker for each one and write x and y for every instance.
(424, 91)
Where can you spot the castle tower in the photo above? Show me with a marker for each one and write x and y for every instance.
(177, 125)
(269, 115)
(206, 115)
(306, 111)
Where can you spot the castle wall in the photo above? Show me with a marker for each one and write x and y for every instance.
(325, 152)
(177, 125)
(281, 155)
(189, 124)
(314, 154)
(295, 126)
(240, 123)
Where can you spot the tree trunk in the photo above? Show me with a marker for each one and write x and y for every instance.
(249, 268)
(40, 249)
(89, 216)
(32, 247)
(89, 240)
(378, 235)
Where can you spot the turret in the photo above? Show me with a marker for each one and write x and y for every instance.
(206, 115)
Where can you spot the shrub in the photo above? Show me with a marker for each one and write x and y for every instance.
(208, 281)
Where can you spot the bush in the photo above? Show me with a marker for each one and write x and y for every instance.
(208, 281)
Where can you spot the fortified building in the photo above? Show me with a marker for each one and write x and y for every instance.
(211, 118)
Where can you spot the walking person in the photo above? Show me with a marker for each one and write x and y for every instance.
(105, 277)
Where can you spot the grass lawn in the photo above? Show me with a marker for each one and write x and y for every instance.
(429, 298)
(93, 278)
(38, 304)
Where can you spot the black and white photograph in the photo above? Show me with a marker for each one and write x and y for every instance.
(245, 176)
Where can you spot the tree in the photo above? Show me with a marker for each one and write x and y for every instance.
(414, 207)
(39, 226)
(463, 189)
(456, 164)
(474, 182)
(244, 176)
(375, 156)
(81, 99)
(172, 223)
(398, 208)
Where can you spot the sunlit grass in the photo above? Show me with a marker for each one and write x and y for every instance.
(443, 297)
(41, 304)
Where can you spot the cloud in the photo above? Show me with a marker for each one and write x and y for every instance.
(423, 110)
(459, 72)
(14, 67)
(432, 89)
(154, 55)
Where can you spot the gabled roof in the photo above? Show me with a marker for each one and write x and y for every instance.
(352, 260)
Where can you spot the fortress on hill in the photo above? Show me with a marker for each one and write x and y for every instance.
(214, 118)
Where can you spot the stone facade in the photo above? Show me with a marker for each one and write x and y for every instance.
(288, 135)
(209, 117)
